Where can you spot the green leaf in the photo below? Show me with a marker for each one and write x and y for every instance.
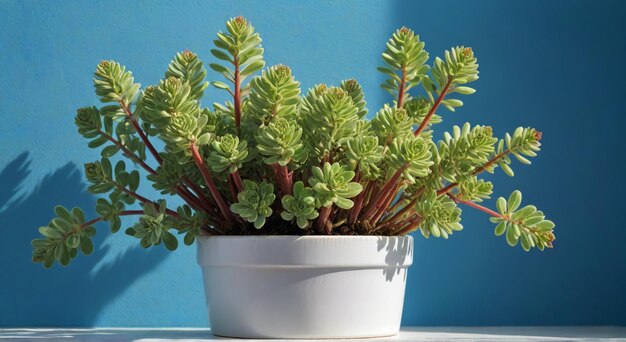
(170, 241)
(514, 201)
(86, 245)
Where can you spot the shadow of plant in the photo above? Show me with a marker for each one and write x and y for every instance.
(32, 296)
(398, 250)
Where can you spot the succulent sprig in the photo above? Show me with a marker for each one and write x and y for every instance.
(287, 161)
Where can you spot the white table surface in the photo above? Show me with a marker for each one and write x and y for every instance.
(407, 334)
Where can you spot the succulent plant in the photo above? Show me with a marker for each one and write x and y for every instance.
(333, 167)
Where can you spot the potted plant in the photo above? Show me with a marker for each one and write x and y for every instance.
(301, 206)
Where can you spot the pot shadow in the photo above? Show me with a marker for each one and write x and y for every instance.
(398, 251)
(73, 296)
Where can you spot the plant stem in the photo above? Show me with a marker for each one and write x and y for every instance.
(143, 199)
(385, 204)
(238, 181)
(126, 151)
(432, 110)
(398, 215)
(411, 225)
(475, 172)
(237, 96)
(323, 219)
(381, 196)
(122, 213)
(284, 178)
(143, 136)
(477, 206)
(211, 185)
(358, 205)
(401, 88)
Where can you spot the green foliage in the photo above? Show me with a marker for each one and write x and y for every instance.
(254, 202)
(153, 227)
(465, 150)
(333, 185)
(190, 223)
(279, 142)
(365, 152)
(329, 117)
(391, 123)
(523, 143)
(274, 94)
(526, 226)
(300, 205)
(187, 67)
(440, 215)
(228, 153)
(240, 46)
(353, 88)
(405, 58)
(113, 83)
(62, 238)
(332, 169)
(410, 155)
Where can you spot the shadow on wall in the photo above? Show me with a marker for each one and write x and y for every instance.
(32, 296)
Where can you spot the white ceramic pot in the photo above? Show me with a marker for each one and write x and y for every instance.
(305, 286)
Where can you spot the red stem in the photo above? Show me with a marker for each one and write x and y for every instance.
(385, 204)
(122, 213)
(128, 152)
(476, 206)
(412, 224)
(237, 97)
(284, 178)
(143, 136)
(212, 188)
(145, 200)
(238, 181)
(401, 88)
(475, 172)
(358, 205)
(376, 202)
(442, 95)
(323, 219)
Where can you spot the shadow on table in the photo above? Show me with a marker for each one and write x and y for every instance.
(32, 296)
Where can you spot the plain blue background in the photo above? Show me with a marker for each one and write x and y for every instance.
(554, 65)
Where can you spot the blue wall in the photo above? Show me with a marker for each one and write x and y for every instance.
(552, 65)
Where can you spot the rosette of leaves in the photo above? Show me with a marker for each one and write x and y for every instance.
(240, 47)
(228, 153)
(392, 123)
(474, 189)
(439, 215)
(280, 142)
(467, 148)
(526, 226)
(366, 154)
(169, 100)
(167, 177)
(411, 156)
(300, 206)
(405, 58)
(332, 185)
(451, 75)
(354, 89)
(187, 67)
(63, 237)
(113, 83)
(184, 130)
(190, 223)
(253, 203)
(153, 227)
(329, 117)
(273, 94)
(522, 144)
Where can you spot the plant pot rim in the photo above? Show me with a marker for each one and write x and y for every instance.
(307, 251)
